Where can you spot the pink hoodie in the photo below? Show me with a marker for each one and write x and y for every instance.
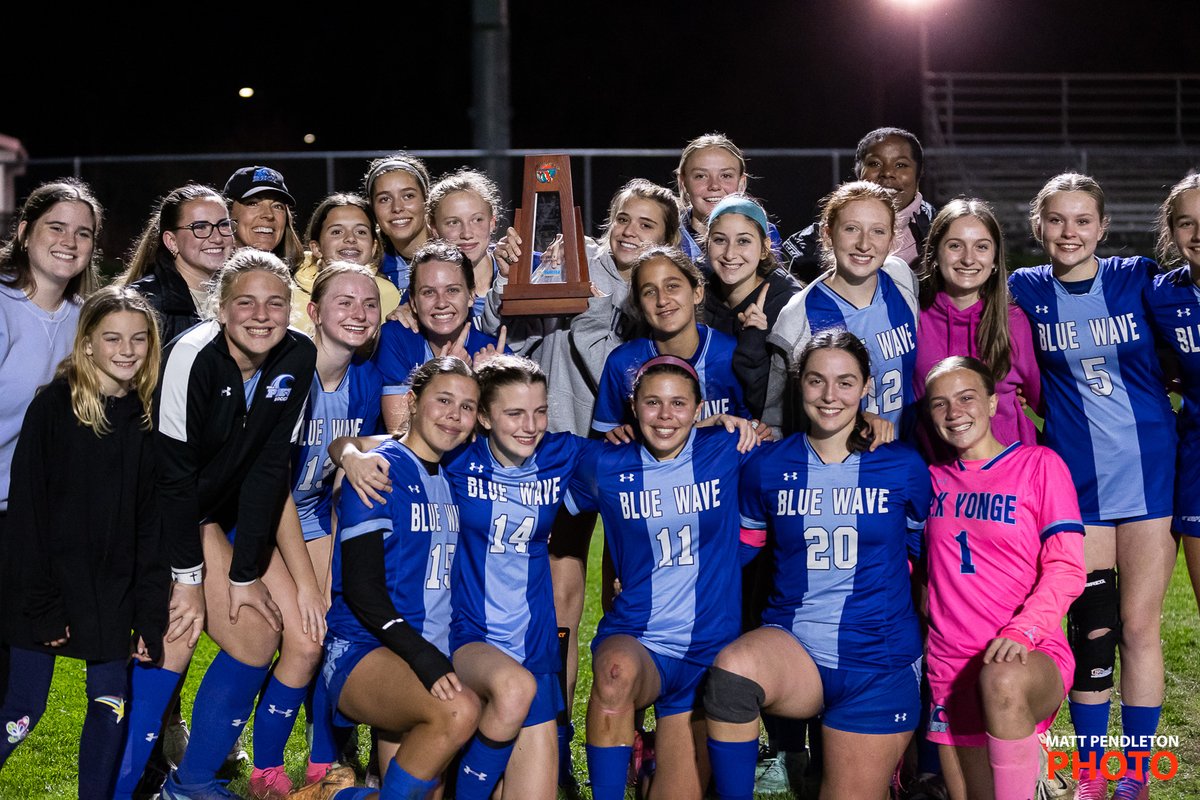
(944, 331)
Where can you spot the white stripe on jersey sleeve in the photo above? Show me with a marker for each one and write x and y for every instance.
(172, 409)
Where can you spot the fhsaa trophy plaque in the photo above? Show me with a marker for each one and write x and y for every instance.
(550, 224)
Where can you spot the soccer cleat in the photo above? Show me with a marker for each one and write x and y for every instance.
(771, 776)
(926, 786)
(175, 738)
(212, 790)
(271, 783)
(1131, 789)
(314, 771)
(1091, 786)
(334, 781)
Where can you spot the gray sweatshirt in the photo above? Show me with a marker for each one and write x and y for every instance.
(571, 350)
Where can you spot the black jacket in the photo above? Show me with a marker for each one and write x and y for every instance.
(802, 251)
(218, 460)
(81, 545)
(168, 293)
(751, 358)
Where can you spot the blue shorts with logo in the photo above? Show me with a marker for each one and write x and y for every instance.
(870, 702)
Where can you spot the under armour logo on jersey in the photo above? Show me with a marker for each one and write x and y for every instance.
(475, 467)
(626, 476)
(791, 476)
(286, 712)
(237, 723)
(280, 388)
(415, 488)
(227, 391)
(1042, 309)
(901, 718)
(117, 704)
(480, 775)
(1183, 312)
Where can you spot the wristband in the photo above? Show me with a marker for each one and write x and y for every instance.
(188, 577)
(232, 582)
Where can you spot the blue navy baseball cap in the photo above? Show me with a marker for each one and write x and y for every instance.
(249, 181)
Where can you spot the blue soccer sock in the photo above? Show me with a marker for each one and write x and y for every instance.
(1139, 723)
(151, 689)
(566, 732)
(399, 785)
(223, 704)
(1091, 723)
(273, 721)
(733, 768)
(355, 793)
(324, 748)
(608, 768)
(482, 765)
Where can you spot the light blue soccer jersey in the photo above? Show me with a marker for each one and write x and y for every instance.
(672, 530)
(1174, 303)
(1107, 412)
(502, 592)
(713, 362)
(420, 525)
(842, 537)
(352, 409)
(888, 328)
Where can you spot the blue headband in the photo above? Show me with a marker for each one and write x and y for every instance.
(739, 204)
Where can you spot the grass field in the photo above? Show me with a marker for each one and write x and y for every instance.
(44, 765)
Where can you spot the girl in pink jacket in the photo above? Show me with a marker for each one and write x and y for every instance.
(965, 311)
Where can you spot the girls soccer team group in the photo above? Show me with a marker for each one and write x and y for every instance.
(746, 427)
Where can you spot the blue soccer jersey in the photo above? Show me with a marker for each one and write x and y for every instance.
(1174, 303)
(352, 409)
(1107, 413)
(502, 592)
(420, 534)
(842, 537)
(888, 327)
(713, 362)
(672, 530)
(401, 351)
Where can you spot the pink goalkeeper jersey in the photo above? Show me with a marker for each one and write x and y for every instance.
(1005, 549)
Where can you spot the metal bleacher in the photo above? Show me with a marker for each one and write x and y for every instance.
(1001, 136)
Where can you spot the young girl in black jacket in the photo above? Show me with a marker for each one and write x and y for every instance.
(84, 577)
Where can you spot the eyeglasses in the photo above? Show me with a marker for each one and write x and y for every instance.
(204, 229)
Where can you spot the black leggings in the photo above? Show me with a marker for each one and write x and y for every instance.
(103, 738)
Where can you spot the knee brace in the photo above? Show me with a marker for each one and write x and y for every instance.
(1099, 607)
(731, 698)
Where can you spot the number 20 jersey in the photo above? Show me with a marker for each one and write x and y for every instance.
(672, 530)
(842, 536)
(1107, 412)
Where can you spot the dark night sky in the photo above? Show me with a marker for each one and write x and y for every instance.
(624, 73)
(619, 73)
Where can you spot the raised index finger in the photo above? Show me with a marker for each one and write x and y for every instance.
(761, 300)
(500, 340)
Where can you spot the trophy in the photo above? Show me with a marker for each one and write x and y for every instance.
(551, 225)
